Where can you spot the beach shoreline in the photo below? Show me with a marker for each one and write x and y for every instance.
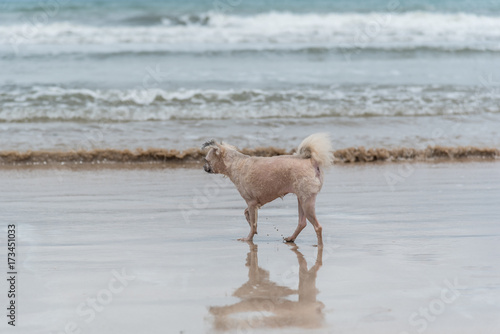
(191, 158)
(109, 223)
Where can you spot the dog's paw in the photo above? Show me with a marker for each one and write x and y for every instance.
(244, 239)
(289, 239)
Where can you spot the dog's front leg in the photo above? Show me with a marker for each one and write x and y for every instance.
(302, 224)
(251, 216)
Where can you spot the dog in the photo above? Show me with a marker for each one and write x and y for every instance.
(261, 180)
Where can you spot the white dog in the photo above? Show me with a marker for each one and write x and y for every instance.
(261, 180)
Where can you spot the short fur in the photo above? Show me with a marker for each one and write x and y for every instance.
(261, 180)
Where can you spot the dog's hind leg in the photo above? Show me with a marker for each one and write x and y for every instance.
(300, 226)
(310, 211)
(247, 216)
(251, 216)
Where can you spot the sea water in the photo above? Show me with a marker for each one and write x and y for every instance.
(121, 74)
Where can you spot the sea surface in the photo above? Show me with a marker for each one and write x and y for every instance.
(170, 74)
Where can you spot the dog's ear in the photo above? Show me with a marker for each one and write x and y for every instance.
(209, 143)
(212, 144)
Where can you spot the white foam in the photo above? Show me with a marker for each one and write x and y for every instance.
(401, 30)
(56, 103)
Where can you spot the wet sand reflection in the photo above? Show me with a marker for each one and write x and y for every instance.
(267, 304)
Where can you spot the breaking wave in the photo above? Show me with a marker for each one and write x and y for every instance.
(194, 156)
(113, 105)
(345, 30)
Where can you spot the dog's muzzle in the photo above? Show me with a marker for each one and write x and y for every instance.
(207, 169)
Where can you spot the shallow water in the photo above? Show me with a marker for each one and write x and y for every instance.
(392, 251)
(371, 132)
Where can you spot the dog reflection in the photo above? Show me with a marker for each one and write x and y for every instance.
(266, 304)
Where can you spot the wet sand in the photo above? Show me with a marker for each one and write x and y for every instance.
(409, 248)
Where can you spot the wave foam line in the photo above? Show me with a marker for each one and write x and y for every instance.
(410, 28)
(40, 103)
(110, 157)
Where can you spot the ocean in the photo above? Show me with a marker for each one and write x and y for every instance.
(145, 74)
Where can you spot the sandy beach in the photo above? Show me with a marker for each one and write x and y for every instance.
(409, 248)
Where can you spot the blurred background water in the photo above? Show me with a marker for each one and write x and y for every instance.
(127, 74)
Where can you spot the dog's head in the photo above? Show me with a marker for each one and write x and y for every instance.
(215, 159)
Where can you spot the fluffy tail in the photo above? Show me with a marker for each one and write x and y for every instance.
(318, 148)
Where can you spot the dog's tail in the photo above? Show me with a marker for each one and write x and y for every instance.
(317, 147)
